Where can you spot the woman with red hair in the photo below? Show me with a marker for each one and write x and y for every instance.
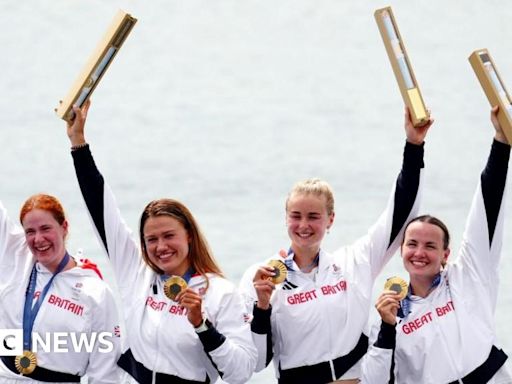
(54, 298)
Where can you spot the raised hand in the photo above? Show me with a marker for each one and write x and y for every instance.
(263, 285)
(192, 301)
(75, 129)
(500, 135)
(387, 305)
(415, 135)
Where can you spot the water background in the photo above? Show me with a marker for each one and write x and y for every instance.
(225, 104)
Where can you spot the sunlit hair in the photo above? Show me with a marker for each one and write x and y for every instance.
(200, 256)
(434, 221)
(315, 187)
(46, 203)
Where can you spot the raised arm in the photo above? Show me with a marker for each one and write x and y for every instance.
(12, 240)
(483, 235)
(494, 176)
(408, 180)
(383, 238)
(116, 238)
(89, 177)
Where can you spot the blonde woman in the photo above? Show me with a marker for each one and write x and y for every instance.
(312, 325)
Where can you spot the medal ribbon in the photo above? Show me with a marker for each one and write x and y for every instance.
(289, 261)
(187, 276)
(405, 304)
(29, 311)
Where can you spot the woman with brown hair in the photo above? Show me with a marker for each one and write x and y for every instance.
(443, 330)
(184, 320)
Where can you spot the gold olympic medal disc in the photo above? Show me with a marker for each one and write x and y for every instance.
(398, 285)
(26, 363)
(173, 286)
(279, 270)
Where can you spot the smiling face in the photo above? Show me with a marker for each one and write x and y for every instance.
(423, 251)
(167, 244)
(45, 237)
(307, 220)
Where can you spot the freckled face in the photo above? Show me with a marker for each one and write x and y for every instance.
(45, 237)
(167, 244)
(307, 220)
(422, 250)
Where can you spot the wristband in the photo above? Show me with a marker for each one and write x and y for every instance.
(78, 146)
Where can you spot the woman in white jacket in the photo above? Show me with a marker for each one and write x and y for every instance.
(443, 331)
(200, 336)
(312, 325)
(53, 296)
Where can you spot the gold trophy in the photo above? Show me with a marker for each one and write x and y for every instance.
(398, 285)
(97, 65)
(279, 270)
(494, 88)
(173, 286)
(401, 65)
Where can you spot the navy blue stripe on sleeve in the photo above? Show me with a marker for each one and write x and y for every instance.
(261, 325)
(92, 186)
(493, 179)
(407, 185)
(387, 340)
(211, 338)
(387, 336)
(261, 320)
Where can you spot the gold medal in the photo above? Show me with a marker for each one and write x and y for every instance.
(398, 285)
(26, 363)
(279, 270)
(173, 286)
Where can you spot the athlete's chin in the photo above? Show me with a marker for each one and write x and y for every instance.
(170, 267)
(307, 243)
(43, 258)
(413, 271)
(419, 273)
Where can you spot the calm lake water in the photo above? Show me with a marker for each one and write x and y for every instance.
(225, 104)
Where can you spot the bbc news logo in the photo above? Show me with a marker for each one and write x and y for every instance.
(11, 342)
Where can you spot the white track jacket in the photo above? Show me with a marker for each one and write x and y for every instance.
(318, 320)
(158, 331)
(77, 301)
(450, 332)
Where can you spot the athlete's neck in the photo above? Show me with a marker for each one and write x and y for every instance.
(421, 286)
(52, 267)
(305, 258)
(180, 270)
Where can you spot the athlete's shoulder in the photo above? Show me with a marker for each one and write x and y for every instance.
(220, 283)
(89, 278)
